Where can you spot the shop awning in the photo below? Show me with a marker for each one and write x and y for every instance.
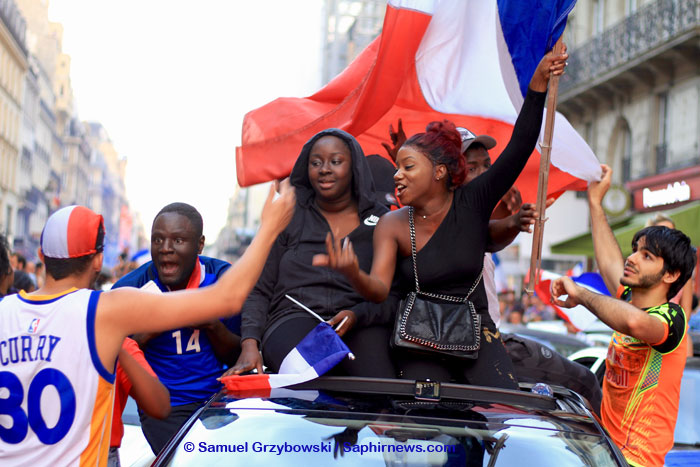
(687, 219)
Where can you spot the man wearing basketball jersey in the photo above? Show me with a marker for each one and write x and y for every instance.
(187, 360)
(59, 344)
(647, 352)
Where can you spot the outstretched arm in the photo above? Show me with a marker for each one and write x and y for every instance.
(121, 312)
(146, 389)
(619, 315)
(607, 251)
(502, 175)
(249, 359)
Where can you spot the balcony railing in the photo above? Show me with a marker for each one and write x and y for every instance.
(649, 27)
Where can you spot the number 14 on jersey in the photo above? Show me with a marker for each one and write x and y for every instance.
(192, 343)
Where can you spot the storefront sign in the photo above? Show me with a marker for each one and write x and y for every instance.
(673, 193)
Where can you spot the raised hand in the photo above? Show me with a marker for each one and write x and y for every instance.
(249, 359)
(342, 259)
(512, 199)
(397, 139)
(565, 286)
(527, 215)
(550, 65)
(597, 190)
(278, 211)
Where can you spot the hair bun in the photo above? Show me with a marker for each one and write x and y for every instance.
(442, 143)
(447, 130)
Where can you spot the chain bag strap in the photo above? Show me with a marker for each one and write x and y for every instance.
(472, 339)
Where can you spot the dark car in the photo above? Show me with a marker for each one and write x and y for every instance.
(351, 421)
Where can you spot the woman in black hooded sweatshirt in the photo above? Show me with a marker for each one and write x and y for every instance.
(335, 194)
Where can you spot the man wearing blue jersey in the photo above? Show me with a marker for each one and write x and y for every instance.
(187, 360)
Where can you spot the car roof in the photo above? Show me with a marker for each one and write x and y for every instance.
(397, 406)
(350, 394)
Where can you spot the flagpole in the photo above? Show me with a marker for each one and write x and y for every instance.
(545, 158)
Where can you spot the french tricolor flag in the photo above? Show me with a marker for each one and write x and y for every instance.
(576, 271)
(579, 316)
(319, 351)
(469, 61)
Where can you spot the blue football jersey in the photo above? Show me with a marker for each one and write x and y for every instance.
(183, 358)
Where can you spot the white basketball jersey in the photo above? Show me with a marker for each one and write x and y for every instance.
(55, 396)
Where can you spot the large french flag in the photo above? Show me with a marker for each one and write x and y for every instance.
(319, 351)
(468, 61)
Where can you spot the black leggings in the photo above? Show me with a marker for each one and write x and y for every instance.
(370, 346)
(493, 366)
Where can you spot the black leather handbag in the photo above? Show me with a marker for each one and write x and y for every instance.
(437, 323)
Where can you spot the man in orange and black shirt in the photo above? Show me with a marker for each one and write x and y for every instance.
(647, 352)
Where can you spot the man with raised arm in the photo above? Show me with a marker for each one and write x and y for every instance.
(59, 345)
(187, 360)
(647, 352)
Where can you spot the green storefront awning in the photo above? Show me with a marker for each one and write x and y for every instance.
(687, 219)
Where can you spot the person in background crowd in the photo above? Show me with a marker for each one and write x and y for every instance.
(26, 280)
(647, 352)
(694, 321)
(20, 262)
(122, 268)
(508, 219)
(538, 311)
(30, 269)
(383, 176)
(684, 298)
(14, 260)
(515, 317)
(40, 274)
(23, 281)
(104, 280)
(503, 306)
(7, 273)
(187, 360)
(75, 335)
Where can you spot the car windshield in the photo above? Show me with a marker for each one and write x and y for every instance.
(275, 432)
(688, 424)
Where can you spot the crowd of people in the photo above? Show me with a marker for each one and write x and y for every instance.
(180, 321)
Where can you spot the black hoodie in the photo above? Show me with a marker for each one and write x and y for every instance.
(288, 269)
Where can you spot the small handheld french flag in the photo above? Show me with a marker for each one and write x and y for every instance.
(319, 351)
